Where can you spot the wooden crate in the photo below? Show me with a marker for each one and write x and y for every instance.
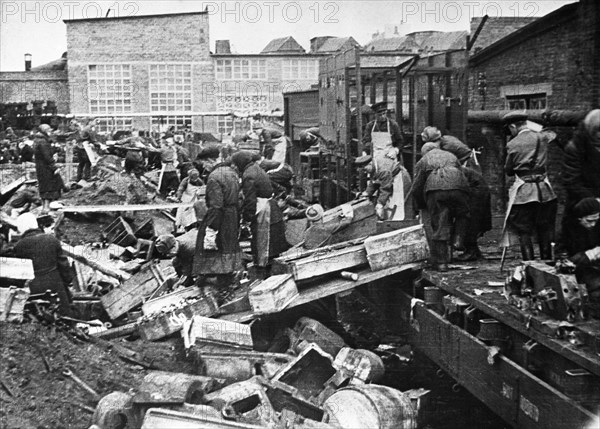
(172, 322)
(155, 305)
(399, 247)
(273, 294)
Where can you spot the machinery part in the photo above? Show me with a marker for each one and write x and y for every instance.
(456, 387)
(116, 411)
(68, 373)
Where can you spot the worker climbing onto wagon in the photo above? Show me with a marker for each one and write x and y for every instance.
(383, 140)
(382, 183)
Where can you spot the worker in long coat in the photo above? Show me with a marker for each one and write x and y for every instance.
(222, 216)
(48, 174)
(261, 210)
(50, 264)
(441, 187)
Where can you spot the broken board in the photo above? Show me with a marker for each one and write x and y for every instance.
(348, 221)
(123, 208)
(133, 291)
(321, 262)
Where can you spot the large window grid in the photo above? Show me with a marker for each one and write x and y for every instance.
(300, 69)
(225, 124)
(242, 104)
(241, 69)
(110, 125)
(109, 88)
(170, 87)
(166, 122)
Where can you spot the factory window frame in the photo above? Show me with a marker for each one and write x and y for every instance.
(243, 104)
(111, 125)
(109, 88)
(170, 87)
(300, 69)
(225, 124)
(241, 69)
(166, 122)
(527, 102)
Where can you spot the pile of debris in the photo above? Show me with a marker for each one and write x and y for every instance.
(319, 382)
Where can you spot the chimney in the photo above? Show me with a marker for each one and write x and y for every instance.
(223, 47)
(27, 62)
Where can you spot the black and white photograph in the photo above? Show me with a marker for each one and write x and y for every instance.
(312, 214)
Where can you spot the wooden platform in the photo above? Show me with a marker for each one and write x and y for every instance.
(318, 289)
(472, 286)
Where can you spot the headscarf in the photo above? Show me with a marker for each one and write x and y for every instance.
(592, 126)
(428, 147)
(242, 159)
(431, 134)
(165, 244)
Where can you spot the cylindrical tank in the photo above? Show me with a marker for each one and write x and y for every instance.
(370, 406)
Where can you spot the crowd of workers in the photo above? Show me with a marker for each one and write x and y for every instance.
(230, 188)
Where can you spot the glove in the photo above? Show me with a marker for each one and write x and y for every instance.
(593, 254)
(380, 212)
(393, 153)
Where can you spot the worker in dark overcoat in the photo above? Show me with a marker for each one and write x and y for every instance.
(48, 174)
(222, 256)
(50, 264)
(441, 188)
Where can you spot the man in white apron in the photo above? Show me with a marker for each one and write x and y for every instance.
(385, 139)
(532, 202)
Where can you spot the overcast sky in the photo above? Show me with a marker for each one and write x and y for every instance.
(37, 27)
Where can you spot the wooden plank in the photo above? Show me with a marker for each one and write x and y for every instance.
(394, 239)
(77, 253)
(321, 263)
(16, 268)
(330, 287)
(123, 208)
(131, 293)
(15, 184)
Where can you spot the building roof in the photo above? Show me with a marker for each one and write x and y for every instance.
(421, 41)
(440, 41)
(334, 44)
(59, 64)
(540, 25)
(165, 15)
(283, 45)
(392, 44)
(496, 28)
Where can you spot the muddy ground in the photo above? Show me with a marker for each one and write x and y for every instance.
(36, 396)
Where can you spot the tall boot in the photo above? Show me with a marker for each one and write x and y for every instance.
(472, 253)
(460, 230)
(545, 239)
(440, 252)
(526, 247)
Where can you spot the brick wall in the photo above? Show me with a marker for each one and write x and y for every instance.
(18, 87)
(562, 56)
(139, 42)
